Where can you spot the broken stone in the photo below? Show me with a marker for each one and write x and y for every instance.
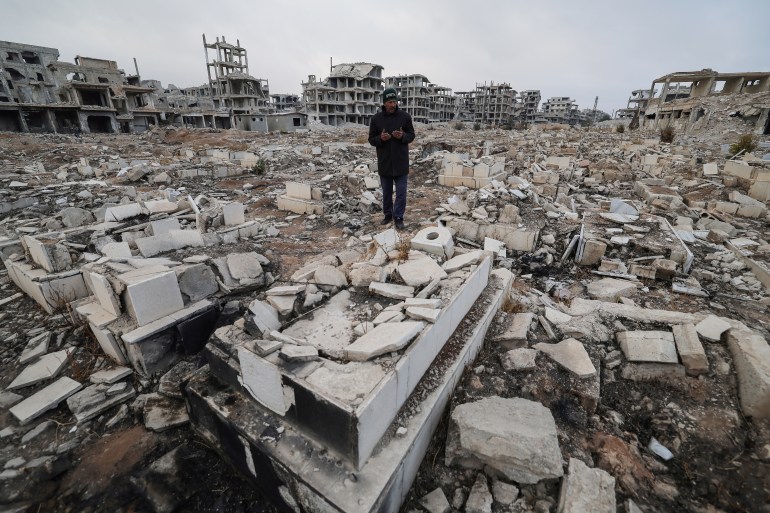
(520, 359)
(435, 502)
(516, 438)
(45, 399)
(93, 400)
(423, 314)
(479, 500)
(571, 355)
(586, 490)
(293, 353)
(464, 260)
(110, 376)
(712, 327)
(417, 273)
(37, 346)
(610, 289)
(329, 276)
(517, 333)
(244, 266)
(45, 367)
(162, 413)
(751, 356)
(383, 339)
(391, 290)
(690, 349)
(648, 346)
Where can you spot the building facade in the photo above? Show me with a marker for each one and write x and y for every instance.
(351, 94)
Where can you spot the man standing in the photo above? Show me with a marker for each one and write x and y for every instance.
(391, 131)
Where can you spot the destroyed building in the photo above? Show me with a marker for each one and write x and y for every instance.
(560, 109)
(351, 94)
(39, 93)
(688, 99)
(637, 104)
(285, 102)
(424, 101)
(246, 99)
(527, 106)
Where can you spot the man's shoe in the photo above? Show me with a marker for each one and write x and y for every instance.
(386, 219)
(399, 224)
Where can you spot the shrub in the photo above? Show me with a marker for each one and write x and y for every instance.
(667, 134)
(459, 126)
(745, 143)
(477, 126)
(620, 128)
(260, 167)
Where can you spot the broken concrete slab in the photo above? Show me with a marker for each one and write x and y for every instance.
(436, 240)
(571, 355)
(712, 328)
(423, 314)
(517, 333)
(45, 367)
(37, 346)
(110, 376)
(162, 413)
(610, 289)
(648, 346)
(690, 349)
(435, 502)
(330, 276)
(516, 438)
(294, 353)
(751, 357)
(586, 490)
(420, 271)
(383, 339)
(45, 399)
(391, 290)
(520, 359)
(151, 297)
(464, 260)
(96, 399)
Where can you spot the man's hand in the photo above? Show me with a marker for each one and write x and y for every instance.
(398, 134)
(384, 136)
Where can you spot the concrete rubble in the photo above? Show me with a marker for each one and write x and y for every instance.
(562, 298)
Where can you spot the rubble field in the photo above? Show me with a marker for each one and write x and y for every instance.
(626, 369)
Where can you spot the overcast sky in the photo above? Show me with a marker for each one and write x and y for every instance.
(576, 48)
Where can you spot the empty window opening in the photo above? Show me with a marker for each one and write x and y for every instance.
(76, 77)
(92, 98)
(9, 121)
(99, 124)
(40, 77)
(104, 80)
(719, 85)
(297, 121)
(35, 121)
(66, 121)
(30, 58)
(13, 57)
(15, 74)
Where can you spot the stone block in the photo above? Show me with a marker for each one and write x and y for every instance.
(163, 226)
(648, 346)
(299, 206)
(592, 252)
(299, 190)
(234, 214)
(196, 282)
(751, 357)
(117, 250)
(690, 349)
(586, 490)
(519, 359)
(712, 328)
(738, 169)
(610, 289)
(517, 333)
(383, 339)
(104, 294)
(710, 169)
(571, 355)
(513, 437)
(391, 290)
(45, 399)
(46, 367)
(420, 271)
(121, 212)
(150, 297)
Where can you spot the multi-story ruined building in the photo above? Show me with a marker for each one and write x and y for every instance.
(246, 99)
(424, 101)
(285, 102)
(637, 103)
(351, 94)
(560, 109)
(494, 104)
(465, 106)
(688, 99)
(40, 93)
(527, 103)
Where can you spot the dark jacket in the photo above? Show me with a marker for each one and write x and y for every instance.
(393, 154)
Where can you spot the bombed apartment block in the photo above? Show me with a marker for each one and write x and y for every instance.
(637, 104)
(424, 101)
(560, 109)
(286, 102)
(526, 107)
(246, 99)
(694, 100)
(491, 104)
(351, 94)
(39, 93)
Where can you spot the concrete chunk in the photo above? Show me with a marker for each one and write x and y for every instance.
(418, 272)
(383, 339)
(110, 376)
(45, 367)
(44, 400)
(571, 355)
(586, 490)
(460, 261)
(690, 349)
(751, 356)
(611, 289)
(520, 359)
(391, 290)
(648, 346)
(480, 499)
(37, 346)
(153, 296)
(712, 327)
(517, 333)
(234, 214)
(435, 502)
(514, 437)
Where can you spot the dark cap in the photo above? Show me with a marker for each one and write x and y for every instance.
(389, 94)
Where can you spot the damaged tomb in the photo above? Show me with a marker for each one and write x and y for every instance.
(573, 320)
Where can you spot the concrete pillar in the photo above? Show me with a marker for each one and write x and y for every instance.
(50, 121)
(22, 122)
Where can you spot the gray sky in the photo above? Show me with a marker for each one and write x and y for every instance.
(580, 49)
